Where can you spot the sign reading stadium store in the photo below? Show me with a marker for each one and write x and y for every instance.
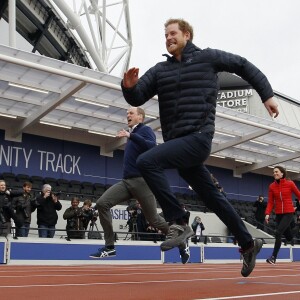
(237, 99)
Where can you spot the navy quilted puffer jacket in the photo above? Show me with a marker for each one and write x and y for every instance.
(187, 89)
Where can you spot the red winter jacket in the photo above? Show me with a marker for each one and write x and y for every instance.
(280, 196)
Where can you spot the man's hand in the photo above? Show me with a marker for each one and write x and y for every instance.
(267, 219)
(272, 107)
(123, 133)
(47, 194)
(131, 78)
(54, 198)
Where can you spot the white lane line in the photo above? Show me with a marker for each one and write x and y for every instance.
(229, 267)
(251, 296)
(155, 273)
(270, 283)
(136, 282)
(104, 274)
(96, 283)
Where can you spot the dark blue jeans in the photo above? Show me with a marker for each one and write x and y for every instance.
(187, 154)
(46, 231)
(23, 231)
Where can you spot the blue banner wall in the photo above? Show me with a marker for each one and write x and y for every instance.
(46, 157)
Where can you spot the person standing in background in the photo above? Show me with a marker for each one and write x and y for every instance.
(280, 199)
(6, 210)
(187, 214)
(198, 228)
(24, 206)
(47, 205)
(74, 217)
(260, 206)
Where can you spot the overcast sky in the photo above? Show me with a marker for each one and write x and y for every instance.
(266, 32)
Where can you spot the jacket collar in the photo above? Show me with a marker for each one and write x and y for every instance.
(187, 52)
(282, 180)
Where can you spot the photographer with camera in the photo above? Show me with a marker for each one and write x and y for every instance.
(132, 219)
(137, 223)
(198, 228)
(24, 206)
(90, 215)
(47, 205)
(75, 224)
(6, 210)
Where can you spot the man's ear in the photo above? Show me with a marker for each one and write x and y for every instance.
(187, 35)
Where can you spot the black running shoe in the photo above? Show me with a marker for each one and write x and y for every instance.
(103, 253)
(177, 235)
(249, 257)
(184, 251)
(271, 260)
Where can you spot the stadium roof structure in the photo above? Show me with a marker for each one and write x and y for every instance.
(93, 34)
(49, 97)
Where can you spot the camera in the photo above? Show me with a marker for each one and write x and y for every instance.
(94, 213)
(132, 210)
(57, 194)
(90, 214)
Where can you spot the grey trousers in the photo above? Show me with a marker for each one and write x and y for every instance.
(125, 190)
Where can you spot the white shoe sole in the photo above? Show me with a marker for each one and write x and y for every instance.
(172, 243)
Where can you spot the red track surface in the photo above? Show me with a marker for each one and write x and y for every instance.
(161, 282)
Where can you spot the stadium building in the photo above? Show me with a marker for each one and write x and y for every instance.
(61, 106)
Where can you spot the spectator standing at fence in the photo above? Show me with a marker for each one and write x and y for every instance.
(6, 209)
(74, 217)
(87, 212)
(141, 223)
(47, 205)
(280, 199)
(260, 207)
(187, 214)
(24, 206)
(198, 228)
(218, 186)
(187, 87)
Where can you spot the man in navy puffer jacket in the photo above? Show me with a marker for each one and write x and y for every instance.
(140, 139)
(187, 88)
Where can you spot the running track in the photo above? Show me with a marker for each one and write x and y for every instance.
(139, 282)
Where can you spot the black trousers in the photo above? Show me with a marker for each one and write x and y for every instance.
(283, 228)
(187, 154)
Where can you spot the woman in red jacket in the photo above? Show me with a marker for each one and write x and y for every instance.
(280, 198)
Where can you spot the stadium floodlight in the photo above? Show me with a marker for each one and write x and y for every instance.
(259, 143)
(101, 133)
(218, 156)
(8, 116)
(55, 124)
(287, 150)
(26, 87)
(225, 134)
(244, 161)
(91, 102)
